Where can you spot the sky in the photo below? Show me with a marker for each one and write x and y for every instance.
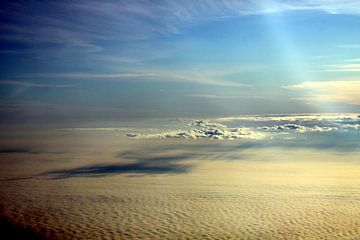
(117, 60)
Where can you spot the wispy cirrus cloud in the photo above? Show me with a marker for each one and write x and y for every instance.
(352, 60)
(224, 97)
(348, 67)
(328, 91)
(83, 23)
(31, 84)
(198, 76)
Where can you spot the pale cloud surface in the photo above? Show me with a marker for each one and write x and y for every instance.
(116, 60)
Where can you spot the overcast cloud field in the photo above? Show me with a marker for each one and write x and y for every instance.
(248, 177)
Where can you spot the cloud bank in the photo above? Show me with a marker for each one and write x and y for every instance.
(257, 127)
(297, 128)
(204, 129)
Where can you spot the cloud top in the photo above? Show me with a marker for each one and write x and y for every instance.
(204, 129)
(257, 127)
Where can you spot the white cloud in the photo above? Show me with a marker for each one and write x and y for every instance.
(336, 117)
(257, 127)
(329, 91)
(301, 123)
(204, 129)
(297, 128)
(352, 126)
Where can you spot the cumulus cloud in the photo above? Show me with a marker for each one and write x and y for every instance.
(298, 128)
(301, 123)
(254, 127)
(204, 129)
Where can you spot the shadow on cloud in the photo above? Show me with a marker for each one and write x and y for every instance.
(107, 170)
(144, 164)
(18, 150)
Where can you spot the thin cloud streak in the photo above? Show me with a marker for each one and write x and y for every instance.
(214, 96)
(352, 67)
(211, 77)
(35, 85)
(329, 91)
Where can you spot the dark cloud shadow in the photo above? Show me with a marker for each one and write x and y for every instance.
(18, 150)
(107, 170)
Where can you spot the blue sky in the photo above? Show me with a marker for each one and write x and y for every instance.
(87, 60)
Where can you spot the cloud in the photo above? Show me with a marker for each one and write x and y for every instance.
(31, 84)
(352, 60)
(18, 150)
(298, 123)
(82, 75)
(297, 128)
(350, 67)
(329, 91)
(310, 117)
(119, 129)
(204, 129)
(301, 123)
(252, 127)
(143, 162)
(352, 126)
(83, 23)
(259, 126)
(113, 169)
(215, 96)
(213, 77)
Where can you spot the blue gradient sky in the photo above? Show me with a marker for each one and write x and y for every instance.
(87, 60)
